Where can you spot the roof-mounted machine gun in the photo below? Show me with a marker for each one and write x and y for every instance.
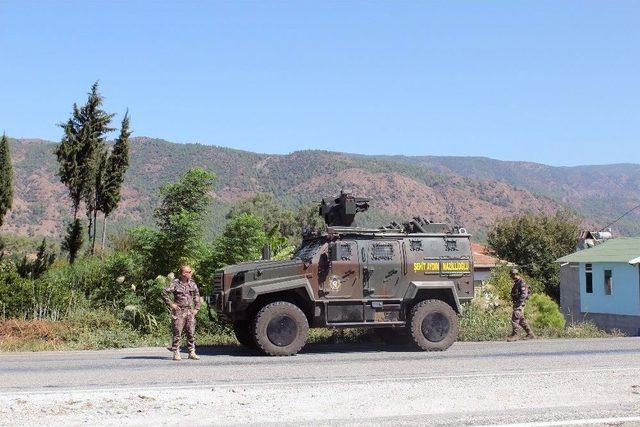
(342, 211)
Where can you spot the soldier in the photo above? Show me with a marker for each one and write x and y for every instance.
(519, 295)
(185, 305)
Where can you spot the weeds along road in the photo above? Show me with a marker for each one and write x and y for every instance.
(546, 381)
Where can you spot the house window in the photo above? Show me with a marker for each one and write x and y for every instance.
(607, 282)
(589, 278)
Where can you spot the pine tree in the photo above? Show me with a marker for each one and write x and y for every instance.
(6, 178)
(116, 167)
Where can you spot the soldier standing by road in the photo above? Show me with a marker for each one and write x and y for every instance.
(519, 296)
(185, 305)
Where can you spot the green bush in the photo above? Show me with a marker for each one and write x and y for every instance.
(33, 299)
(14, 300)
(543, 313)
(481, 323)
(120, 273)
(85, 275)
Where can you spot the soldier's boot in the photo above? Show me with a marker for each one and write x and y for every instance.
(513, 337)
(530, 335)
(176, 355)
(515, 327)
(193, 355)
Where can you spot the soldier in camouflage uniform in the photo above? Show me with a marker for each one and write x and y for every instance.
(519, 296)
(185, 305)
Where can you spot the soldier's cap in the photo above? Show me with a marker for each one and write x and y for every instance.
(514, 271)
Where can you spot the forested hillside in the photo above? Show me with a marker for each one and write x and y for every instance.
(472, 192)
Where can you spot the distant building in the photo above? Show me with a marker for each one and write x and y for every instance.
(602, 284)
(483, 263)
(589, 239)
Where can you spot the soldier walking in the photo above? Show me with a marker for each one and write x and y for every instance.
(519, 296)
(185, 305)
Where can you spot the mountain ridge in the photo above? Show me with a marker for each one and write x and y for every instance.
(474, 191)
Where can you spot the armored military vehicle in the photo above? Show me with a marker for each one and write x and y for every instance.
(407, 278)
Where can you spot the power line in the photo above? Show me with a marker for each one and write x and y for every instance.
(620, 217)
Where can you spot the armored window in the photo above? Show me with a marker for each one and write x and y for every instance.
(450, 245)
(589, 278)
(416, 245)
(345, 251)
(608, 282)
(382, 251)
(307, 251)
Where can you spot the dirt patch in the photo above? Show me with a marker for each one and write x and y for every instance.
(15, 330)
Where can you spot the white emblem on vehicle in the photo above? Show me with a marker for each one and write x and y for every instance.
(335, 283)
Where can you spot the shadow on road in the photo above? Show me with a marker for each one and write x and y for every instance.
(230, 350)
(148, 357)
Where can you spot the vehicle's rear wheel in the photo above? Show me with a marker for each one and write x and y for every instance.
(281, 329)
(433, 325)
(244, 333)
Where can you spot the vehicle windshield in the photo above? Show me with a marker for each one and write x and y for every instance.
(308, 250)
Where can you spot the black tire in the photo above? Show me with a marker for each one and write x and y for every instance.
(394, 336)
(280, 329)
(244, 333)
(433, 325)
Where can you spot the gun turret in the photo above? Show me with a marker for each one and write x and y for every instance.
(342, 211)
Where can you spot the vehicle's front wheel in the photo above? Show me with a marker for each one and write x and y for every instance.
(433, 325)
(244, 333)
(281, 329)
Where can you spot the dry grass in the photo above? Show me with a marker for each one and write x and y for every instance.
(33, 335)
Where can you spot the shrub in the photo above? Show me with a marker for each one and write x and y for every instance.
(119, 275)
(85, 275)
(140, 319)
(543, 313)
(481, 323)
(33, 299)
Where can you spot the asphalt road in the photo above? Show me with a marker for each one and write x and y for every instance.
(548, 382)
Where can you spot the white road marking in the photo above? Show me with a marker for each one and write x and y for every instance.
(578, 422)
(349, 380)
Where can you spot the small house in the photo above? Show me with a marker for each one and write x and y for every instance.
(602, 284)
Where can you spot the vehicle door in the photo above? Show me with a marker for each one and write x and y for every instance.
(343, 279)
(381, 268)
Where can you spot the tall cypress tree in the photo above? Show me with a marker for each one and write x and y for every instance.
(99, 189)
(73, 240)
(69, 163)
(116, 167)
(6, 178)
(80, 153)
(94, 123)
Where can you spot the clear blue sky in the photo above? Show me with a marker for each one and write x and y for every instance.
(555, 82)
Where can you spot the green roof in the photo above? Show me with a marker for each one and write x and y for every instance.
(622, 249)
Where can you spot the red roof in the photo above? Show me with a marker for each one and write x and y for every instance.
(483, 257)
